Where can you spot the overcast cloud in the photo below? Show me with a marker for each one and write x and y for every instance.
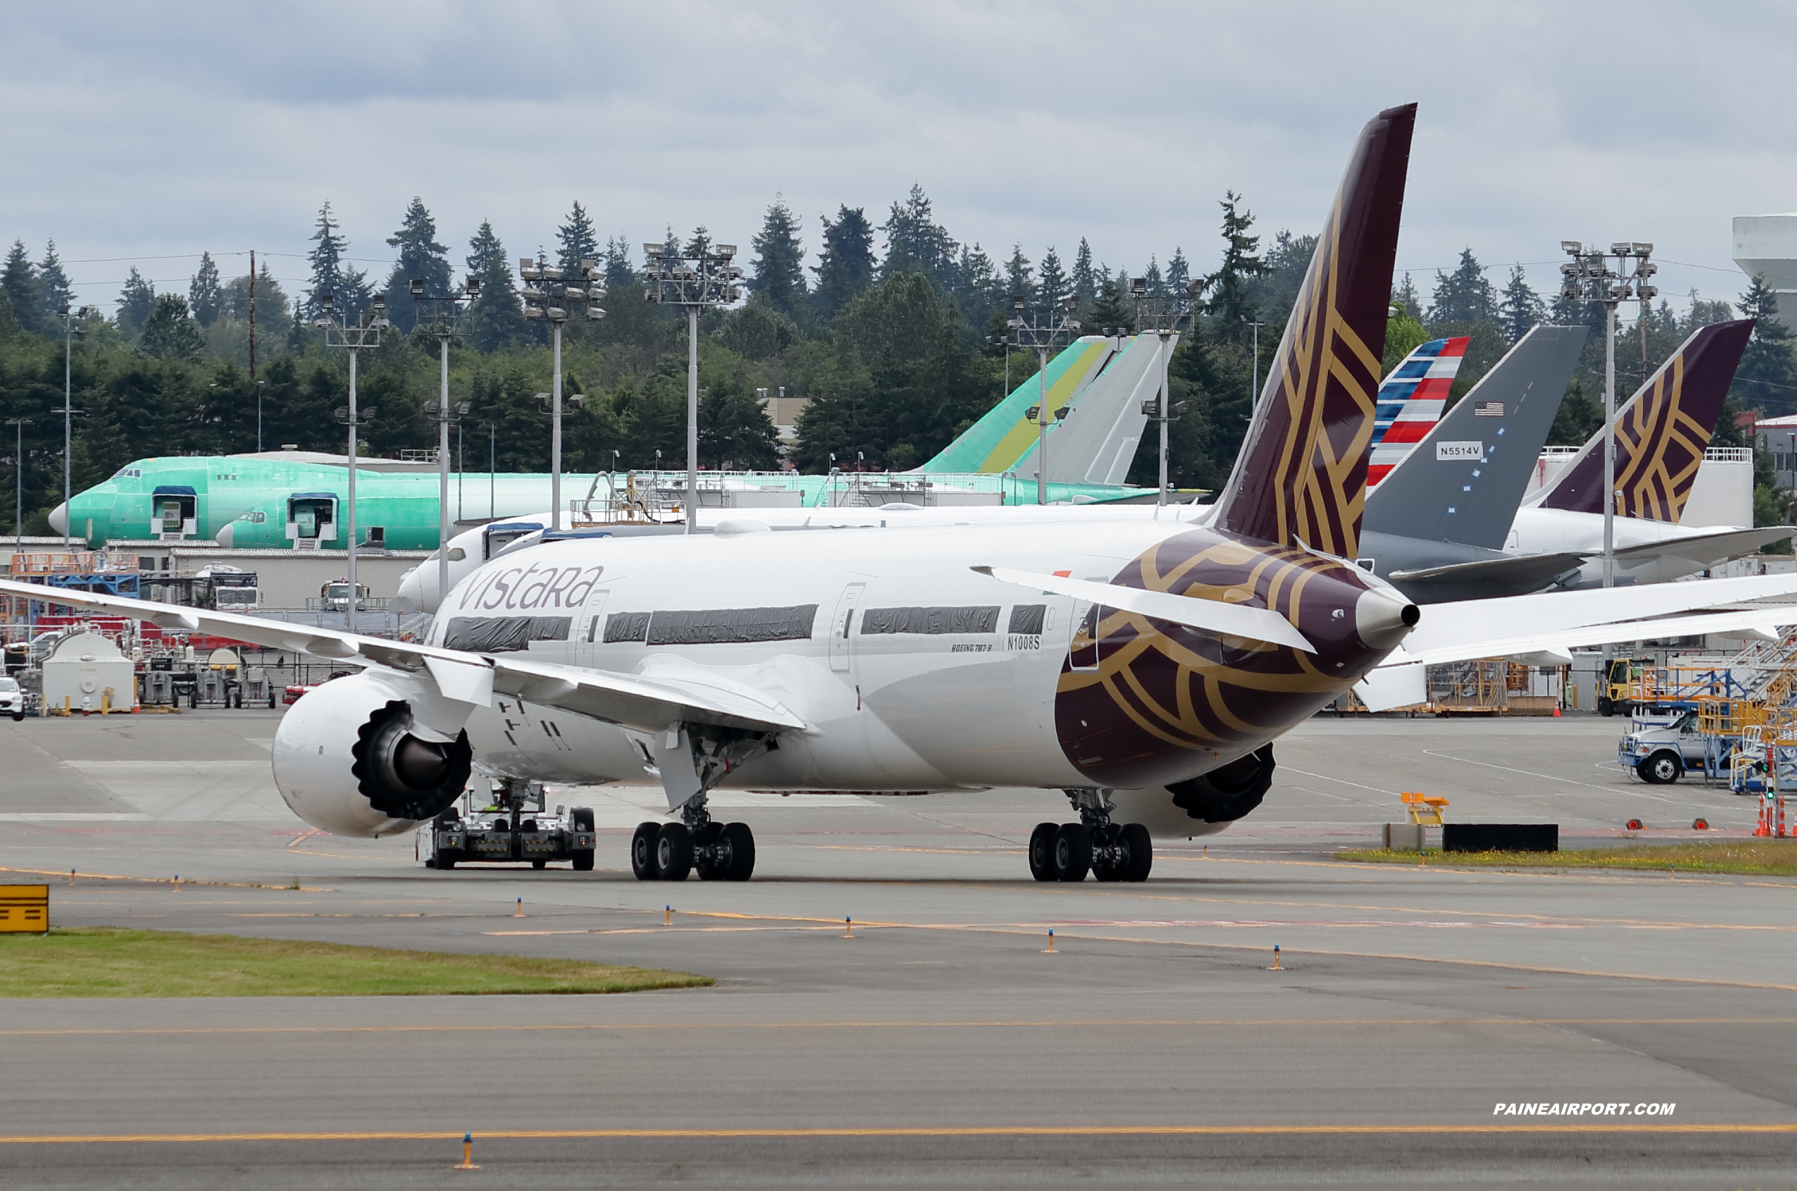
(144, 131)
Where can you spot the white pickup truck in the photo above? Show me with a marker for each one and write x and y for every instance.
(1661, 752)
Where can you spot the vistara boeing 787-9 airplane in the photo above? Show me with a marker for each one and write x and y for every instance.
(1141, 667)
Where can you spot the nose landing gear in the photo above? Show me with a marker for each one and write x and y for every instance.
(1109, 851)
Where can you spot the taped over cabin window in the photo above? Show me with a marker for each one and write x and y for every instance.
(626, 626)
(504, 634)
(1027, 618)
(730, 626)
(933, 621)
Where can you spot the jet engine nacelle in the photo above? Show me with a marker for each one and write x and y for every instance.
(351, 758)
(1203, 805)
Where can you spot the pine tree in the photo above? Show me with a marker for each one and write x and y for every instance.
(845, 267)
(1152, 282)
(699, 243)
(1052, 283)
(915, 242)
(496, 318)
(1085, 282)
(58, 296)
(331, 274)
(135, 302)
(1019, 282)
(1463, 297)
(1111, 310)
(1521, 307)
(1406, 296)
(169, 334)
(204, 296)
(1229, 299)
(24, 289)
(978, 289)
(576, 241)
(1767, 377)
(420, 258)
(1179, 271)
(779, 266)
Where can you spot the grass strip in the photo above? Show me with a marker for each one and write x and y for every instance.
(1760, 858)
(105, 961)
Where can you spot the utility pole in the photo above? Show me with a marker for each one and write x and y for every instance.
(1055, 333)
(253, 345)
(70, 334)
(1162, 313)
(352, 333)
(693, 282)
(18, 502)
(548, 295)
(438, 314)
(1589, 275)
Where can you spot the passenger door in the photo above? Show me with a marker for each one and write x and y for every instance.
(840, 625)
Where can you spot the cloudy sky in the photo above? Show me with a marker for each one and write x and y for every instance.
(147, 132)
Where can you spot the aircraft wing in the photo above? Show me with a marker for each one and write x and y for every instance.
(1475, 629)
(644, 704)
(1522, 570)
(1705, 548)
(1213, 616)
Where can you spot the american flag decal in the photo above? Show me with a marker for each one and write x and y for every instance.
(1489, 409)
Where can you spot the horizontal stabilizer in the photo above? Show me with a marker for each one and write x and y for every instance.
(1211, 616)
(645, 704)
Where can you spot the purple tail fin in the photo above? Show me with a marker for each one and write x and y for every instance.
(1301, 475)
(1661, 431)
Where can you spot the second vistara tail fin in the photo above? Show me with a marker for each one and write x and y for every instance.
(1301, 473)
(1661, 432)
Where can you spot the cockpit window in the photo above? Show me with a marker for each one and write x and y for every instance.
(131, 473)
(457, 554)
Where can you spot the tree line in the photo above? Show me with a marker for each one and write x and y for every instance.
(895, 333)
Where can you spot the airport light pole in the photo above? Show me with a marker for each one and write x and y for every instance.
(352, 333)
(438, 316)
(548, 295)
(1043, 335)
(1162, 314)
(692, 281)
(69, 335)
(18, 501)
(1609, 278)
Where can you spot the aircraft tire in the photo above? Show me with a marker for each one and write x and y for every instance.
(705, 863)
(1072, 852)
(673, 852)
(1140, 846)
(642, 851)
(1042, 851)
(740, 842)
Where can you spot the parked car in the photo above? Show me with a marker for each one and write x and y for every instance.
(12, 699)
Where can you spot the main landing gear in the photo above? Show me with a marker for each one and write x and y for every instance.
(669, 851)
(1067, 851)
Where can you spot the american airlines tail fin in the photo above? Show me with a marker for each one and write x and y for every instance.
(1301, 473)
(1661, 432)
(1411, 401)
(1465, 479)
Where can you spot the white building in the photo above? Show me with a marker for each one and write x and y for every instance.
(1767, 245)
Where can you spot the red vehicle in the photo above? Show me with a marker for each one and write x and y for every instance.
(292, 694)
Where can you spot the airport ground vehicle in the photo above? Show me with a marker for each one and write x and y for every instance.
(499, 832)
(1661, 752)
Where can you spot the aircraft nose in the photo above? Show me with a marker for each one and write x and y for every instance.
(59, 518)
(419, 594)
(1383, 618)
(227, 535)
